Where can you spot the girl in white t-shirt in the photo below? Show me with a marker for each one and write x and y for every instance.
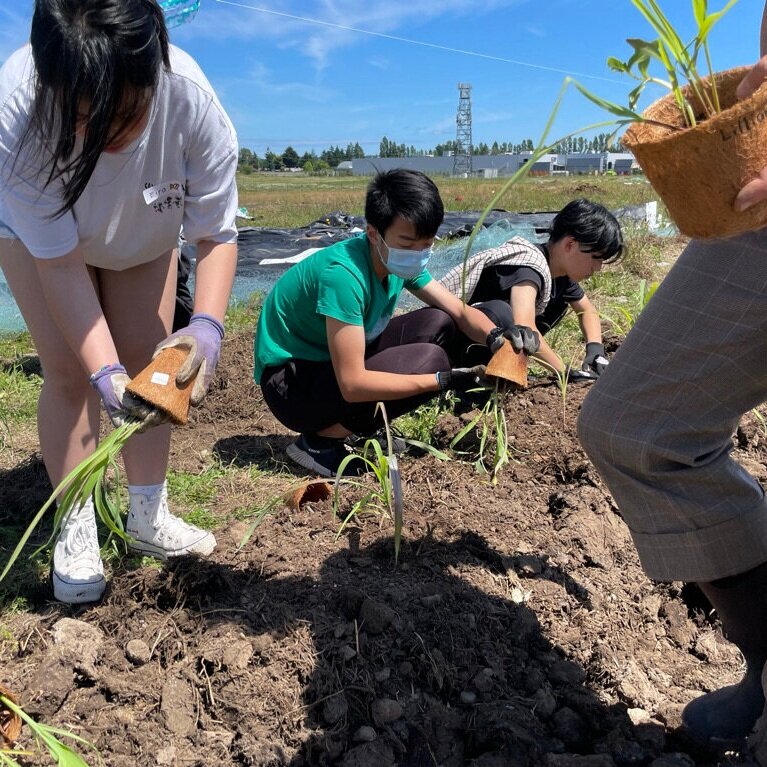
(110, 141)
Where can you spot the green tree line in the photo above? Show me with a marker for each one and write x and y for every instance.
(329, 158)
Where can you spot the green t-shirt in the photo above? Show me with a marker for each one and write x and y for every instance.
(337, 282)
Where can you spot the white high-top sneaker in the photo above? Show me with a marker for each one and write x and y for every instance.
(78, 572)
(156, 532)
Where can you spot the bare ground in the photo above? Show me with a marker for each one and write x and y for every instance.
(517, 629)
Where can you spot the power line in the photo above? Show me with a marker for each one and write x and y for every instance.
(321, 23)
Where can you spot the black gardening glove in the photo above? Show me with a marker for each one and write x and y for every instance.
(574, 375)
(494, 340)
(462, 379)
(595, 360)
(523, 338)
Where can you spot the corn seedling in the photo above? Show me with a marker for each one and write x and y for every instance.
(259, 514)
(85, 481)
(47, 738)
(678, 60)
(625, 317)
(490, 422)
(761, 420)
(386, 497)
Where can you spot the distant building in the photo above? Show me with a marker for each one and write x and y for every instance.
(499, 165)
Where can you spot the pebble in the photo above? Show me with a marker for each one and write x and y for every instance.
(137, 652)
(376, 616)
(364, 734)
(483, 680)
(386, 710)
(382, 675)
(346, 652)
(334, 709)
(469, 697)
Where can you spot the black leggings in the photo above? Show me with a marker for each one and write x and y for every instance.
(304, 396)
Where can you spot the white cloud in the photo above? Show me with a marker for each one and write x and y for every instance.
(323, 27)
(535, 31)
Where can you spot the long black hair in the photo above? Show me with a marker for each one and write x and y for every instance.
(98, 64)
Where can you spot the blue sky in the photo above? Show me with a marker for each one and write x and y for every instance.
(310, 74)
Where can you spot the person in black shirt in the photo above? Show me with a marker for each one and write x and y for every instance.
(520, 283)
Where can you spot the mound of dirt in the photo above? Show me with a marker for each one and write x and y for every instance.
(517, 628)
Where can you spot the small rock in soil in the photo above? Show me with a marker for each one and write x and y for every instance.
(382, 675)
(364, 734)
(137, 652)
(346, 652)
(237, 655)
(386, 710)
(469, 697)
(376, 616)
(78, 643)
(405, 668)
(334, 709)
(375, 754)
(177, 706)
(544, 702)
(483, 680)
(567, 672)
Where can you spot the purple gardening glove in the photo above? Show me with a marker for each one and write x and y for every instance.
(203, 339)
(110, 383)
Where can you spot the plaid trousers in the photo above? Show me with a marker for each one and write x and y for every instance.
(658, 424)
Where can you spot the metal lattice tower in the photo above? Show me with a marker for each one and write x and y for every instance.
(462, 156)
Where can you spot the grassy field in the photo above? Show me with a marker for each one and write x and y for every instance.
(284, 200)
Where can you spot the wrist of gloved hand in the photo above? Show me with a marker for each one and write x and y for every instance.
(523, 338)
(595, 358)
(110, 382)
(461, 379)
(202, 337)
(495, 340)
(574, 375)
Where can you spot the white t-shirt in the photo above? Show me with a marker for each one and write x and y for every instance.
(180, 171)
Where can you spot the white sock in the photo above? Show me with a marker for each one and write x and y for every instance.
(150, 491)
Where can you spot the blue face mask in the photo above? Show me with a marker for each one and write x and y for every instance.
(405, 263)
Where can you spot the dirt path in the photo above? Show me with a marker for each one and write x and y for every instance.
(518, 628)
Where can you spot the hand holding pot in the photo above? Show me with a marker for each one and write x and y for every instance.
(755, 191)
(110, 383)
(202, 337)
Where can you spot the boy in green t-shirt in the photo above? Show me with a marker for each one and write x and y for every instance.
(328, 348)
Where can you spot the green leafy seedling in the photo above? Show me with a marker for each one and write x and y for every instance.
(47, 738)
(85, 481)
(386, 497)
(490, 421)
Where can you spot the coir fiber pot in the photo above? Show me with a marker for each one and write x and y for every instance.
(156, 384)
(509, 365)
(699, 171)
(10, 722)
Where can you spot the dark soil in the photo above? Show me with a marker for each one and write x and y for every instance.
(517, 629)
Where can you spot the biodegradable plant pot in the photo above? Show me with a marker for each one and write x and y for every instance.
(307, 492)
(156, 384)
(509, 365)
(10, 721)
(698, 172)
